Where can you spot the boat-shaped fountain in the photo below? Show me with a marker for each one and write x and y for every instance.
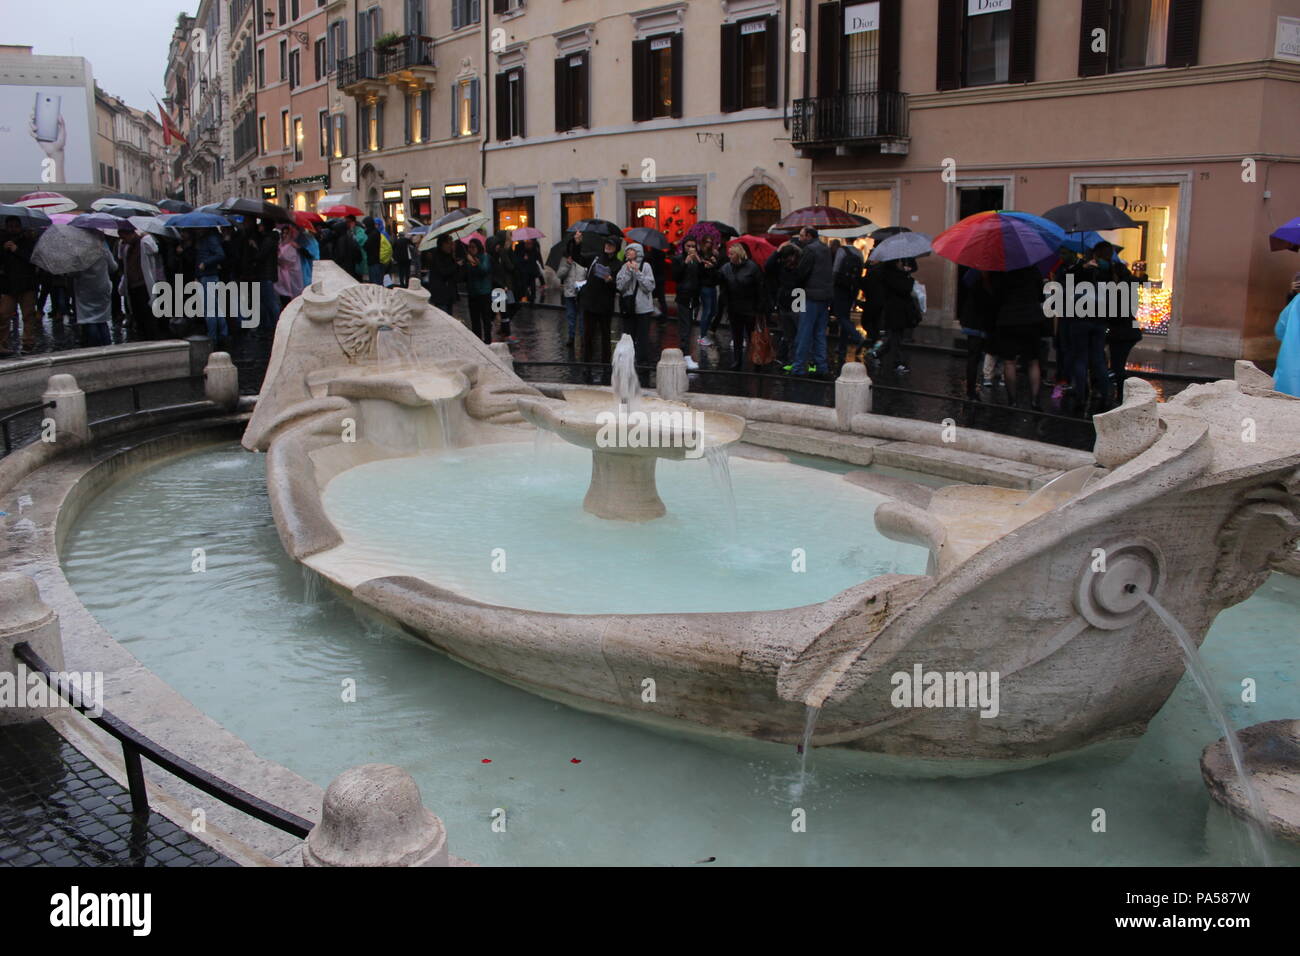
(1045, 595)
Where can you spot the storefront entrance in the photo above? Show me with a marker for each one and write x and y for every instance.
(672, 215)
(1151, 249)
(510, 214)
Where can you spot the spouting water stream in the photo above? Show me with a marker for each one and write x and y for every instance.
(1062, 487)
(1257, 824)
(623, 380)
(809, 724)
(393, 349)
(444, 421)
(720, 464)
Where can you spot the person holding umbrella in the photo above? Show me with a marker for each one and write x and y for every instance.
(740, 292)
(141, 268)
(267, 258)
(17, 283)
(209, 256)
(1018, 324)
(288, 281)
(1087, 336)
(571, 275)
(688, 274)
(782, 273)
(847, 279)
(478, 283)
(636, 283)
(708, 239)
(443, 270)
(816, 278)
(597, 299)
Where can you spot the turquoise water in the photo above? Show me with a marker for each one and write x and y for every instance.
(246, 643)
(504, 524)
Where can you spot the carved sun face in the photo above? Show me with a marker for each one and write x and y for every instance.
(362, 310)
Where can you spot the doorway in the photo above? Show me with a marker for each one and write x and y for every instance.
(972, 200)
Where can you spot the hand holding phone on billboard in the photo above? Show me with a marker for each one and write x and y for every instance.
(50, 131)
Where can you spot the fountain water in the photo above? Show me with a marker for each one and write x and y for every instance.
(1258, 822)
(1063, 486)
(311, 586)
(623, 379)
(393, 349)
(809, 724)
(720, 463)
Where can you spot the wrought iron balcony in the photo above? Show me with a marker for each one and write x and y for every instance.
(358, 74)
(873, 117)
(409, 60)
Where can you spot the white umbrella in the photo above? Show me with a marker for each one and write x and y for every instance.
(849, 232)
(904, 245)
(47, 202)
(154, 226)
(472, 222)
(108, 202)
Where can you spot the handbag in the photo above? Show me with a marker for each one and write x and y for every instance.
(761, 351)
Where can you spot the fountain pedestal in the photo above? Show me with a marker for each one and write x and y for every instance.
(623, 487)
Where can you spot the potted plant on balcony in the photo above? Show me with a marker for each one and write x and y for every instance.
(388, 41)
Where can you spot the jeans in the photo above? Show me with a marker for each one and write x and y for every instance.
(595, 337)
(377, 270)
(708, 307)
(811, 337)
(480, 316)
(270, 303)
(94, 334)
(1086, 343)
(571, 314)
(216, 319)
(9, 307)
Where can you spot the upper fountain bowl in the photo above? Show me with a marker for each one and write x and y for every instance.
(650, 427)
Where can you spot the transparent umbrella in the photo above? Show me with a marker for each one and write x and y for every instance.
(66, 249)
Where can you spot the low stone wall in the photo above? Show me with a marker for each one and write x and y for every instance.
(22, 381)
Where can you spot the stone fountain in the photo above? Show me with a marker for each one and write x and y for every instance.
(1180, 503)
(628, 437)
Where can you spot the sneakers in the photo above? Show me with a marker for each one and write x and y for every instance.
(900, 368)
(706, 342)
(691, 364)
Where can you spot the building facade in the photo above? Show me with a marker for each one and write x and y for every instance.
(656, 116)
(406, 106)
(291, 74)
(922, 112)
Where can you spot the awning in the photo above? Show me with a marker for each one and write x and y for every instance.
(335, 199)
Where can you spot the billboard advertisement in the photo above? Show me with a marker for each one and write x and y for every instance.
(45, 135)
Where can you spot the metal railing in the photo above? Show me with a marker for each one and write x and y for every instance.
(7, 421)
(410, 51)
(136, 745)
(849, 117)
(355, 68)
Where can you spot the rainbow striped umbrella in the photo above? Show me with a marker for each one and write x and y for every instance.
(1000, 241)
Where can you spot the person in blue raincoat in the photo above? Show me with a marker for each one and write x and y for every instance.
(308, 252)
(1286, 377)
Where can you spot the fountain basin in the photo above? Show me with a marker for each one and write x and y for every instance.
(627, 443)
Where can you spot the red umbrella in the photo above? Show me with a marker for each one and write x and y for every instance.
(47, 202)
(307, 220)
(760, 250)
(819, 217)
(342, 210)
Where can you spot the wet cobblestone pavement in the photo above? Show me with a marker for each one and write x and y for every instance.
(57, 808)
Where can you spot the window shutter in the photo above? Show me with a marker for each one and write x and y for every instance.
(426, 121)
(580, 104)
(330, 51)
(456, 14)
(891, 17)
(473, 11)
(500, 6)
(678, 71)
(1024, 36)
(640, 80)
(503, 108)
(343, 39)
(1092, 17)
(379, 124)
(473, 105)
(406, 116)
(562, 110)
(829, 37)
(773, 78)
(1183, 38)
(523, 106)
(730, 67)
(947, 70)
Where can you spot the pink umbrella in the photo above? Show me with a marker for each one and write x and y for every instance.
(62, 218)
(47, 202)
(474, 235)
(526, 232)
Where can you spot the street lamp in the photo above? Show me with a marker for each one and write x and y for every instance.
(301, 36)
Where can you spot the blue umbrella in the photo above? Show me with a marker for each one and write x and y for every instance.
(98, 220)
(1286, 236)
(197, 220)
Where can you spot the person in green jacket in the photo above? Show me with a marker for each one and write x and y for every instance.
(359, 235)
(478, 283)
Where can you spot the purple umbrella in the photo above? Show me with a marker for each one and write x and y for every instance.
(1286, 236)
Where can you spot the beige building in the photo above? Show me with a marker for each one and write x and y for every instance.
(650, 115)
(406, 106)
(1180, 112)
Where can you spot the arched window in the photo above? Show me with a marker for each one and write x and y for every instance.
(760, 209)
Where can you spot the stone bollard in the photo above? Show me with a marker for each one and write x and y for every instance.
(200, 349)
(25, 617)
(502, 351)
(71, 426)
(671, 382)
(373, 816)
(221, 381)
(852, 394)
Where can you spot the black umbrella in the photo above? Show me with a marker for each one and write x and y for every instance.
(726, 231)
(650, 238)
(884, 232)
(556, 255)
(1085, 216)
(174, 205)
(255, 207)
(601, 227)
(131, 197)
(28, 217)
(123, 212)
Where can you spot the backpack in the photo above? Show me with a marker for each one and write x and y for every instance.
(848, 271)
(385, 250)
